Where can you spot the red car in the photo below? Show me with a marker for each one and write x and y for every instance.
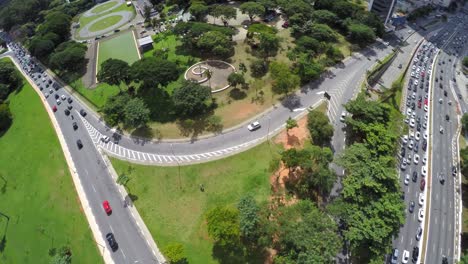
(285, 24)
(419, 104)
(54, 108)
(425, 101)
(107, 207)
(423, 184)
(422, 74)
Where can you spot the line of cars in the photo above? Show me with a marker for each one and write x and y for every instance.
(51, 89)
(413, 161)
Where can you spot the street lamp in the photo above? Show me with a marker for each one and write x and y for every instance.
(178, 165)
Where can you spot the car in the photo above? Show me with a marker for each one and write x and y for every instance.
(112, 242)
(407, 179)
(417, 135)
(422, 184)
(82, 113)
(343, 116)
(408, 112)
(58, 102)
(441, 100)
(411, 207)
(54, 108)
(416, 159)
(285, 24)
(411, 144)
(67, 112)
(421, 199)
(403, 164)
(425, 108)
(426, 101)
(404, 139)
(254, 126)
(70, 107)
(79, 144)
(426, 116)
(75, 126)
(415, 253)
(444, 260)
(105, 139)
(415, 176)
(424, 161)
(46, 95)
(405, 257)
(447, 117)
(441, 130)
(395, 255)
(419, 233)
(403, 151)
(70, 100)
(421, 214)
(454, 170)
(424, 171)
(450, 102)
(107, 207)
(445, 93)
(412, 122)
(63, 97)
(441, 178)
(56, 96)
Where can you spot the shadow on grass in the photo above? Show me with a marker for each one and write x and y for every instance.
(234, 254)
(237, 94)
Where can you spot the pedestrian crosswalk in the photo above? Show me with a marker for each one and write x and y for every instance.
(118, 151)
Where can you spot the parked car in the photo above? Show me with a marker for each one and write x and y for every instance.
(419, 233)
(75, 126)
(422, 185)
(82, 112)
(54, 108)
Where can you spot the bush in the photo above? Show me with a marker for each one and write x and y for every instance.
(5, 117)
(258, 68)
(262, 29)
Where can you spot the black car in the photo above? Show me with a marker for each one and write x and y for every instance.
(56, 96)
(403, 151)
(82, 112)
(112, 243)
(75, 126)
(415, 254)
(79, 144)
(424, 144)
(447, 117)
(67, 112)
(70, 100)
(440, 85)
(70, 107)
(454, 170)
(415, 176)
(411, 207)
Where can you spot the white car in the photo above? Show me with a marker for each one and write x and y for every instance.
(441, 101)
(411, 134)
(405, 257)
(403, 164)
(416, 159)
(423, 171)
(424, 160)
(343, 116)
(421, 214)
(411, 144)
(416, 82)
(63, 97)
(411, 124)
(408, 111)
(417, 136)
(105, 139)
(407, 179)
(425, 108)
(414, 67)
(425, 136)
(404, 139)
(58, 102)
(421, 199)
(426, 116)
(254, 126)
(46, 95)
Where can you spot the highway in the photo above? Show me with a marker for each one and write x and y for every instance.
(99, 186)
(441, 235)
(439, 213)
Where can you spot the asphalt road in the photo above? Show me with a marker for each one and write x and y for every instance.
(441, 233)
(99, 185)
(440, 238)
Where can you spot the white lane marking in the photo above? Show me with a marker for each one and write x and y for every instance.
(94, 189)
(86, 172)
(123, 254)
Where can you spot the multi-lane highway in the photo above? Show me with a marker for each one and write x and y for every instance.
(432, 206)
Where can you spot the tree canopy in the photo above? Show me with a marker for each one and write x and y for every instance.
(68, 57)
(215, 43)
(252, 9)
(114, 71)
(223, 225)
(191, 99)
(319, 127)
(154, 71)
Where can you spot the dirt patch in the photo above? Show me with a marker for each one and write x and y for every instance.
(296, 137)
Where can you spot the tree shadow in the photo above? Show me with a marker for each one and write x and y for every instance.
(3, 244)
(231, 254)
(159, 103)
(291, 101)
(237, 94)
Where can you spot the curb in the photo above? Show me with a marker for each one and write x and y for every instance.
(98, 237)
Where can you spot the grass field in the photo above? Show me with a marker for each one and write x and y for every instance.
(121, 47)
(97, 96)
(84, 20)
(36, 190)
(103, 7)
(174, 210)
(105, 23)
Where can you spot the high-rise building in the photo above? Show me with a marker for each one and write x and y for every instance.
(383, 8)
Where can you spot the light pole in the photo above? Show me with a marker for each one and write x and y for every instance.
(178, 165)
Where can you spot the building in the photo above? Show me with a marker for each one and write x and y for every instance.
(408, 6)
(145, 43)
(442, 3)
(383, 8)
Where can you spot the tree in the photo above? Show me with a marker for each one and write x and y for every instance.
(305, 235)
(114, 71)
(68, 57)
(5, 117)
(268, 45)
(258, 68)
(235, 79)
(175, 254)
(252, 9)
(309, 45)
(198, 10)
(9, 79)
(58, 23)
(283, 80)
(322, 32)
(319, 127)
(113, 109)
(63, 256)
(290, 124)
(154, 71)
(136, 113)
(308, 70)
(361, 34)
(292, 157)
(223, 11)
(147, 12)
(223, 225)
(191, 99)
(248, 218)
(215, 43)
(40, 47)
(325, 17)
(464, 121)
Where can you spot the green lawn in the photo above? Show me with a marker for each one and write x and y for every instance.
(105, 23)
(97, 96)
(100, 8)
(170, 44)
(175, 214)
(36, 190)
(121, 47)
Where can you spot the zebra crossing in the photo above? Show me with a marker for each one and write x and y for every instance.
(336, 94)
(152, 158)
